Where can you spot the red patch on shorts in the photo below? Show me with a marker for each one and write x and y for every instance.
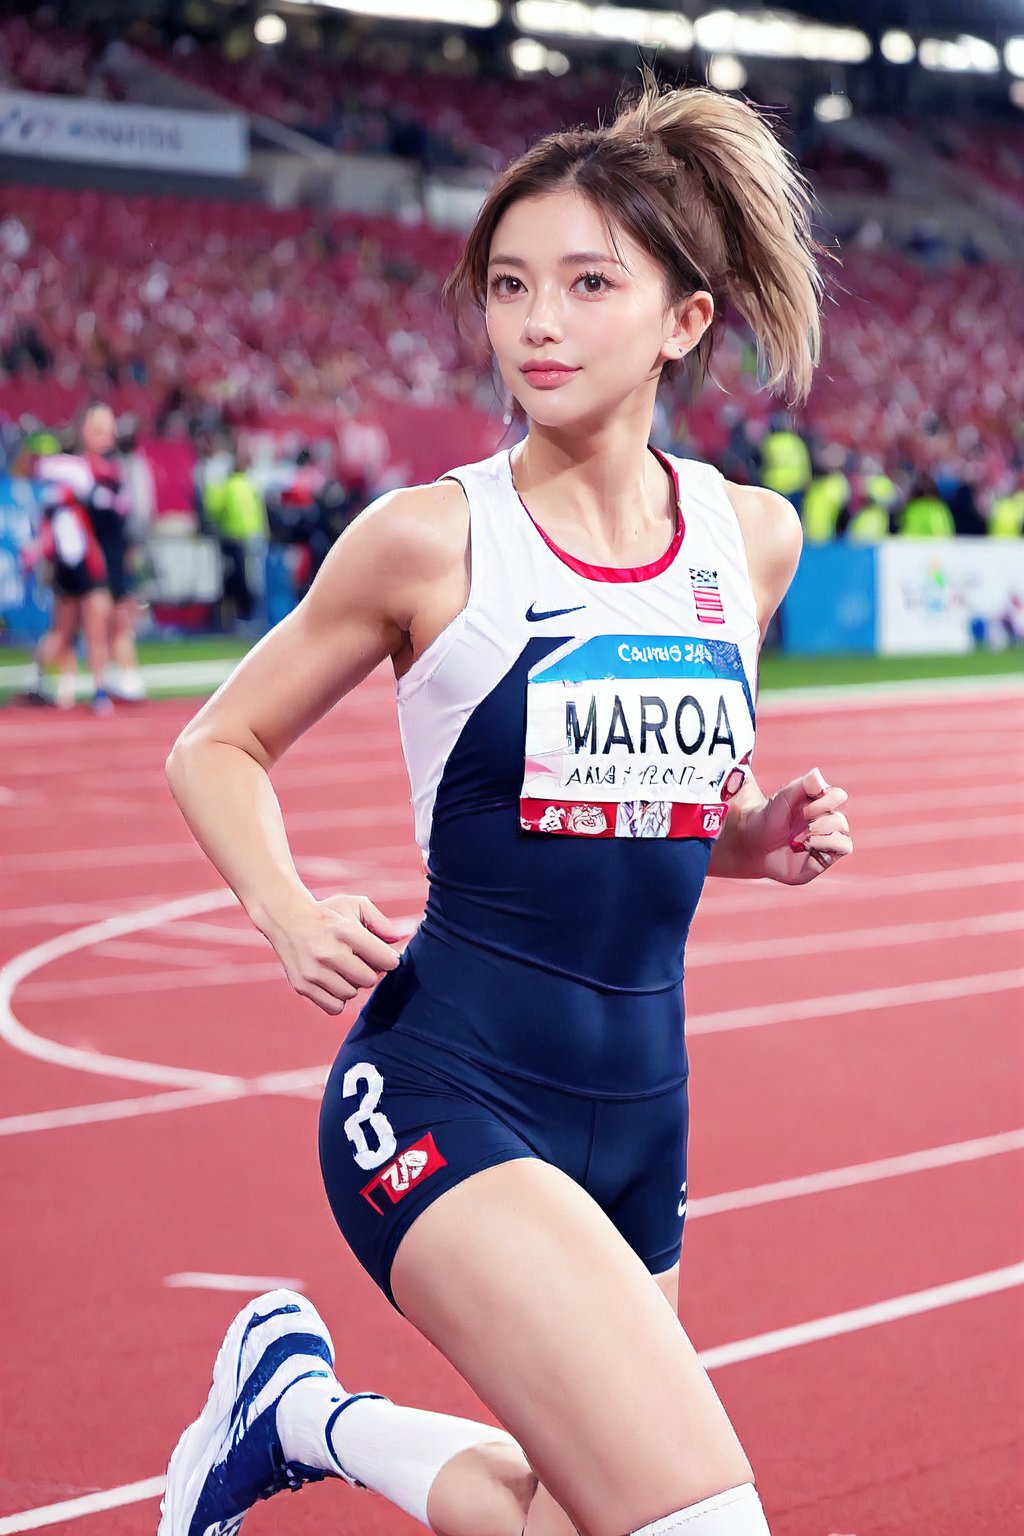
(410, 1167)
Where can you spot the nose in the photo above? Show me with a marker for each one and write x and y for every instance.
(544, 317)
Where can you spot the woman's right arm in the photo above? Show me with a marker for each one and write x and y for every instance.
(363, 607)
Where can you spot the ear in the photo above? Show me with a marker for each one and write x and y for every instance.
(688, 321)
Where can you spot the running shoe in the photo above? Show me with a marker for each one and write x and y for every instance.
(232, 1456)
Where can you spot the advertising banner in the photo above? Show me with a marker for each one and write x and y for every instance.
(108, 133)
(24, 604)
(940, 596)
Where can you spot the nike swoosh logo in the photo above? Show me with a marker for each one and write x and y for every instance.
(534, 615)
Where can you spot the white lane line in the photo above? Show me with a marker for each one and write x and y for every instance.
(855, 1174)
(931, 831)
(835, 1004)
(723, 897)
(74, 911)
(219, 933)
(117, 1109)
(144, 853)
(88, 1504)
(856, 697)
(170, 952)
(151, 981)
(252, 1285)
(839, 1323)
(928, 799)
(732, 953)
(758, 1347)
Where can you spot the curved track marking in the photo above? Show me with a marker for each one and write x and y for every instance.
(79, 1059)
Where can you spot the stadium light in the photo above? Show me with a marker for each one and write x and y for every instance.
(1013, 55)
(898, 47)
(457, 13)
(527, 55)
(270, 30)
(832, 108)
(966, 55)
(605, 23)
(726, 73)
(773, 34)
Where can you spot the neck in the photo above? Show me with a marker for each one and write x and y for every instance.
(602, 486)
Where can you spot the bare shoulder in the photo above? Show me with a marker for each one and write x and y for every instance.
(406, 542)
(422, 527)
(773, 538)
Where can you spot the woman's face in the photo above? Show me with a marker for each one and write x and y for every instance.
(558, 292)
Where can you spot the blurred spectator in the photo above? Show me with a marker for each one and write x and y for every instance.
(785, 460)
(871, 520)
(926, 515)
(827, 497)
(237, 513)
(1006, 520)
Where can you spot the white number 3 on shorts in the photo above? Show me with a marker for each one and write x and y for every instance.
(368, 1114)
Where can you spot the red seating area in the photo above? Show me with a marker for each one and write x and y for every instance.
(259, 313)
(252, 309)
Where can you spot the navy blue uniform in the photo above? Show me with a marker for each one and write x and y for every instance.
(567, 806)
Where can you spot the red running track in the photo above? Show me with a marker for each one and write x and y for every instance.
(856, 1162)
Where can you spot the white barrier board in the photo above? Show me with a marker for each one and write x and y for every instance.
(107, 133)
(943, 596)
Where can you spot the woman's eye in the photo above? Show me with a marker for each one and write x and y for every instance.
(597, 278)
(502, 277)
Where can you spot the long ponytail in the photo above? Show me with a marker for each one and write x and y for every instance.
(749, 209)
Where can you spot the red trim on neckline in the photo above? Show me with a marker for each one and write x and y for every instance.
(615, 572)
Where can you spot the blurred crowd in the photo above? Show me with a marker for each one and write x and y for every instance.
(189, 312)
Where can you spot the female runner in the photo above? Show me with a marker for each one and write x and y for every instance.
(574, 627)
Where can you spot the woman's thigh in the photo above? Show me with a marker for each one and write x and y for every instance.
(519, 1278)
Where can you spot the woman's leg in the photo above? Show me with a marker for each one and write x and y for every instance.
(96, 607)
(523, 1283)
(545, 1516)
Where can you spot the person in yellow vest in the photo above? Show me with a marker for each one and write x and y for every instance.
(826, 497)
(238, 514)
(926, 515)
(872, 522)
(1006, 520)
(785, 460)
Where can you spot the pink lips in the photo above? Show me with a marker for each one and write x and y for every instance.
(545, 375)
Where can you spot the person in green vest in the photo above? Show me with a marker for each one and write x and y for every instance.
(826, 497)
(872, 522)
(926, 515)
(785, 460)
(238, 515)
(1006, 520)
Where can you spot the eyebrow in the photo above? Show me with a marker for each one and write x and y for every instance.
(566, 261)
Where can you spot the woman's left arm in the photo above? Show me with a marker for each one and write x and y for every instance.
(795, 834)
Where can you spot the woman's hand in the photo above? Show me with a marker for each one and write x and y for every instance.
(803, 829)
(333, 949)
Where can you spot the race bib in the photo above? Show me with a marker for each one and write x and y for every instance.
(636, 736)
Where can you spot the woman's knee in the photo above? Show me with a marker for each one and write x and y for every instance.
(486, 1490)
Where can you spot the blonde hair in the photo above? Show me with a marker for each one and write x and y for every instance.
(700, 181)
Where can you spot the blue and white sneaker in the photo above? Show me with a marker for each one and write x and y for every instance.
(232, 1455)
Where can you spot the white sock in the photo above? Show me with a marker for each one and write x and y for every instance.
(374, 1443)
(737, 1512)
